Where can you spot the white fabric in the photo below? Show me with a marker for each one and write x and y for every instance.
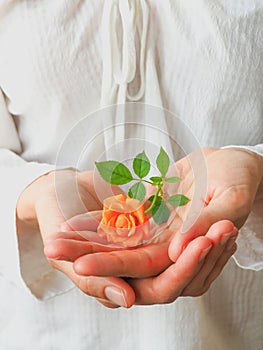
(200, 59)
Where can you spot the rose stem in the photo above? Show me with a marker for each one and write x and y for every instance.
(154, 199)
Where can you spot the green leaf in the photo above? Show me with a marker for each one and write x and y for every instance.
(178, 200)
(162, 162)
(156, 179)
(141, 165)
(158, 199)
(137, 191)
(114, 172)
(160, 212)
(173, 179)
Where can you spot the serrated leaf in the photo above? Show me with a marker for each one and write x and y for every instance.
(173, 179)
(141, 165)
(160, 213)
(156, 179)
(178, 200)
(114, 172)
(137, 191)
(162, 162)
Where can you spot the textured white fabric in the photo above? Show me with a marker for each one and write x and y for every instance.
(203, 61)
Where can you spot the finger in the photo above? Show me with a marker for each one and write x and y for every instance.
(221, 264)
(70, 249)
(196, 289)
(78, 236)
(167, 286)
(107, 303)
(87, 221)
(51, 217)
(115, 290)
(141, 262)
(221, 231)
(219, 208)
(64, 235)
(218, 256)
(219, 245)
(194, 227)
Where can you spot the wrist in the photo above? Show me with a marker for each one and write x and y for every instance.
(258, 161)
(255, 163)
(26, 217)
(260, 187)
(256, 170)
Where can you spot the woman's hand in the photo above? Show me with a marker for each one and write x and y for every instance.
(234, 182)
(154, 278)
(50, 201)
(160, 273)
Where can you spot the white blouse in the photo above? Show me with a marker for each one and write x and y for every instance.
(61, 61)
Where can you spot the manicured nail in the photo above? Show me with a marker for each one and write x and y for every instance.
(115, 295)
(225, 238)
(204, 253)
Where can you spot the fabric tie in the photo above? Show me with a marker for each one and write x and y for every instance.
(119, 64)
(120, 17)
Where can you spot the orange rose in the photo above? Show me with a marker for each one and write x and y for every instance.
(123, 221)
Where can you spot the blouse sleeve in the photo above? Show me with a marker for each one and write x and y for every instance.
(249, 254)
(22, 261)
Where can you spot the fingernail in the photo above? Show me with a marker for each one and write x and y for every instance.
(115, 295)
(204, 253)
(225, 238)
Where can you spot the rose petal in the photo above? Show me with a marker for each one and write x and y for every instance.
(123, 221)
(112, 221)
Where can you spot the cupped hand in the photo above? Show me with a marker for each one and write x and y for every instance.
(234, 181)
(46, 204)
(149, 270)
(161, 272)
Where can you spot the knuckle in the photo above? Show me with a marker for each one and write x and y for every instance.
(195, 292)
(83, 283)
(208, 282)
(119, 261)
(147, 260)
(166, 298)
(169, 299)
